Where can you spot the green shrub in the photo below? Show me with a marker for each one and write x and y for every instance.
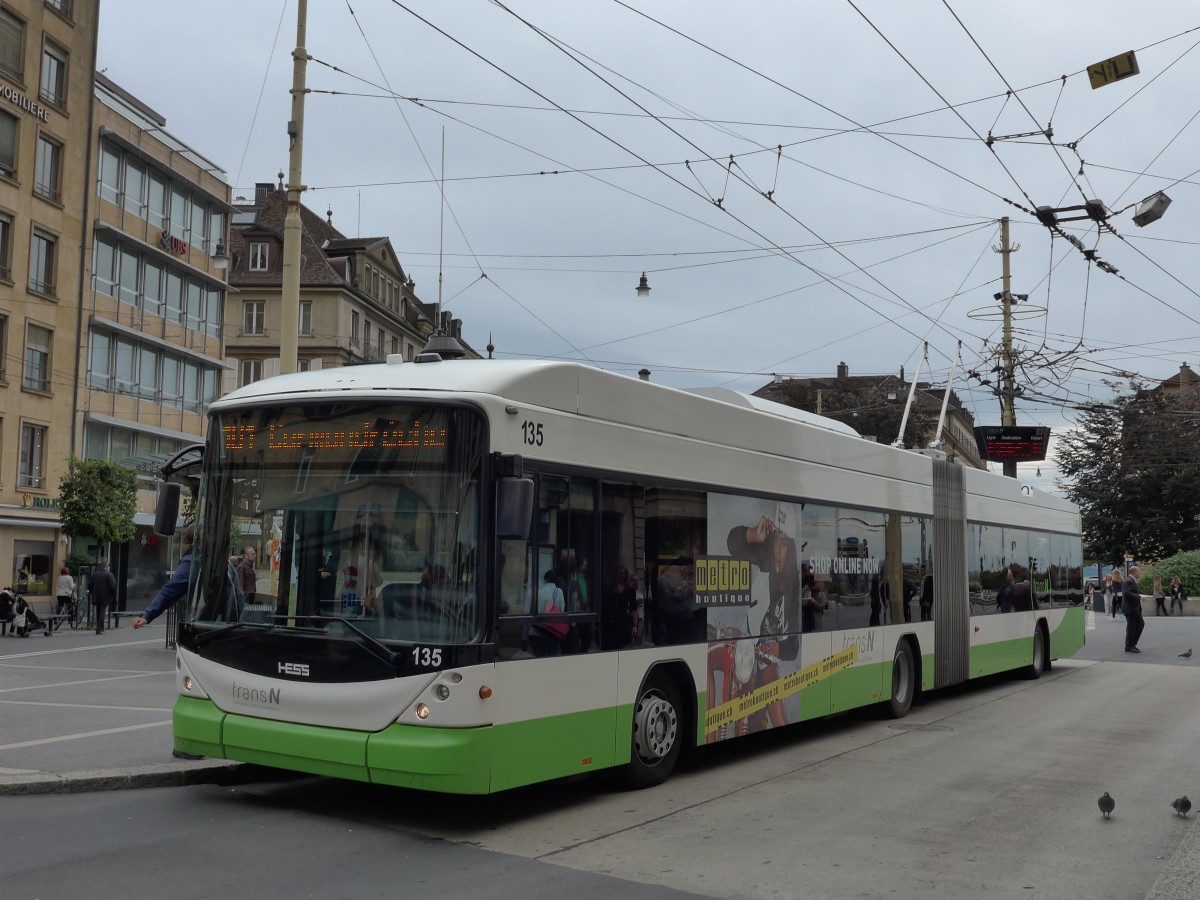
(1185, 565)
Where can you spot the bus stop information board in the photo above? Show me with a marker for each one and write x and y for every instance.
(1012, 443)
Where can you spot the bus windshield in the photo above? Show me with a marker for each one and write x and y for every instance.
(348, 517)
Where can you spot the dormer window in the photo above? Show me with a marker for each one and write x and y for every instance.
(258, 256)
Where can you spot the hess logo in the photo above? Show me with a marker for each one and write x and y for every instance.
(288, 668)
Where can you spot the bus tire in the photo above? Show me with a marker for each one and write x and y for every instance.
(657, 739)
(1034, 670)
(904, 681)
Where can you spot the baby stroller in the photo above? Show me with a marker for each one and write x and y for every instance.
(25, 619)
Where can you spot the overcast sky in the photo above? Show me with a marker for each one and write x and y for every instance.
(856, 220)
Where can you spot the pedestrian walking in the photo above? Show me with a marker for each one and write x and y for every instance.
(1160, 598)
(1112, 590)
(1131, 597)
(103, 591)
(1177, 593)
(64, 591)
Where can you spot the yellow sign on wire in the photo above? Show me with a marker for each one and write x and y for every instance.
(1121, 66)
(761, 698)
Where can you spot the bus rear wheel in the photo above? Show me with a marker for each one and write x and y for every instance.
(656, 741)
(904, 681)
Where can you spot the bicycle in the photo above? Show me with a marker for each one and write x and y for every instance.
(81, 613)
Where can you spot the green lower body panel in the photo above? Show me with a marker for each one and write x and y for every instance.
(450, 760)
(859, 686)
(1069, 637)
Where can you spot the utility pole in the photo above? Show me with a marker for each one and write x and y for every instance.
(289, 319)
(1008, 410)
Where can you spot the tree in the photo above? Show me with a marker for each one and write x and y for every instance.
(98, 499)
(1132, 468)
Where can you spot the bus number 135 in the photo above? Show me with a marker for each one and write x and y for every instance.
(533, 433)
(427, 657)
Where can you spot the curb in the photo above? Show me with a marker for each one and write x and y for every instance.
(179, 774)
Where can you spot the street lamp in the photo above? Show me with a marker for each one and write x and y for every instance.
(643, 288)
(220, 259)
(1151, 209)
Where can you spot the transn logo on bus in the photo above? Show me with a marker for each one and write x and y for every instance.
(293, 669)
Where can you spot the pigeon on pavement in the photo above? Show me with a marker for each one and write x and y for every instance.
(1187, 655)
(1107, 804)
(1182, 805)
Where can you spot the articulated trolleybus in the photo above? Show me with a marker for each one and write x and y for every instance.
(474, 575)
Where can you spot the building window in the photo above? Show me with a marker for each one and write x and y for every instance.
(6, 225)
(306, 318)
(62, 7)
(379, 341)
(353, 328)
(172, 392)
(212, 312)
(395, 344)
(31, 567)
(12, 43)
(41, 263)
(258, 256)
(104, 268)
(33, 442)
(46, 178)
(179, 213)
(54, 75)
(152, 288)
(3, 350)
(37, 358)
(156, 200)
(99, 360)
(366, 335)
(128, 291)
(110, 174)
(135, 188)
(251, 371)
(127, 367)
(8, 145)
(253, 316)
(198, 235)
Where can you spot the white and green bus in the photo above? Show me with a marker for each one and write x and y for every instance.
(474, 574)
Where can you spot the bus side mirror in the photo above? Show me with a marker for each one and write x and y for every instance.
(166, 509)
(514, 508)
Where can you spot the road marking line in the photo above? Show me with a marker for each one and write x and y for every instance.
(19, 771)
(75, 649)
(82, 735)
(160, 709)
(43, 687)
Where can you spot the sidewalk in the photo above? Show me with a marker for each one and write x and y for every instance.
(88, 712)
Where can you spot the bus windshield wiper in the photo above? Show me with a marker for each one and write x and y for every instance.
(376, 646)
(208, 637)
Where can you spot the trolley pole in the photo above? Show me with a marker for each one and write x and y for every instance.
(289, 319)
(1008, 411)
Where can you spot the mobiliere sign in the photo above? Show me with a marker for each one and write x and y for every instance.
(16, 98)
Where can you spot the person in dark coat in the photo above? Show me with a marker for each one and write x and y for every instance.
(103, 590)
(1131, 605)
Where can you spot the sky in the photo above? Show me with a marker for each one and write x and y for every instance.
(803, 184)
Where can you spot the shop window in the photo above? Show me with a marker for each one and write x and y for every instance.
(31, 567)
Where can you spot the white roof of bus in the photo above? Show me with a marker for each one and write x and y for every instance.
(606, 396)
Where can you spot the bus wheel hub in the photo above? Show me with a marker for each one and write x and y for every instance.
(655, 724)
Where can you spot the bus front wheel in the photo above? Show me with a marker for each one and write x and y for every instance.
(904, 681)
(1038, 665)
(657, 741)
